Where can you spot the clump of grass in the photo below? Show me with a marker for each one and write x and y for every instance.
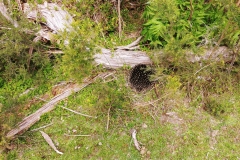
(217, 106)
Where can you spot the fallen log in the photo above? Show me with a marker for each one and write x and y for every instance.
(33, 118)
(119, 58)
(56, 19)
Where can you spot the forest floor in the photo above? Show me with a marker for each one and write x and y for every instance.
(169, 124)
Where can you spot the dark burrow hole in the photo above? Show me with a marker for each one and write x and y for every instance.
(139, 77)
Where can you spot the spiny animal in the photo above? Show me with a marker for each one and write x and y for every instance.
(140, 77)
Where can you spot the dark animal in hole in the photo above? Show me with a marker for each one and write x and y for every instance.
(140, 77)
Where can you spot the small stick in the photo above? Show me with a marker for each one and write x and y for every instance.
(5, 28)
(78, 112)
(152, 117)
(41, 99)
(108, 118)
(33, 130)
(50, 142)
(26, 92)
(54, 52)
(150, 102)
(119, 19)
(30, 52)
(134, 137)
(77, 135)
(202, 68)
(131, 46)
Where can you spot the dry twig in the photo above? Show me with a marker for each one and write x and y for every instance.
(77, 135)
(119, 19)
(131, 46)
(85, 115)
(108, 118)
(33, 130)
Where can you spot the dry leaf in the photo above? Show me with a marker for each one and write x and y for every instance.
(50, 142)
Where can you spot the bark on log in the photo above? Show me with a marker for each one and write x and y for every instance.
(119, 58)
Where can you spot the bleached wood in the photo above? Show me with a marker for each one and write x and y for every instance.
(135, 141)
(3, 10)
(85, 115)
(119, 19)
(55, 17)
(213, 54)
(50, 142)
(108, 118)
(119, 58)
(131, 46)
(33, 118)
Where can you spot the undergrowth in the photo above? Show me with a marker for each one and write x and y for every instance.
(191, 112)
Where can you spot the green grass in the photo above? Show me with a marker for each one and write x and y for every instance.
(188, 134)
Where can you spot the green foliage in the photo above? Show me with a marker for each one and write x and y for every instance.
(15, 59)
(170, 119)
(217, 106)
(112, 95)
(103, 13)
(190, 23)
(173, 83)
(77, 61)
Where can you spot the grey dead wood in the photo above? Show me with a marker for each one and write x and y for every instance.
(56, 19)
(27, 122)
(135, 141)
(4, 11)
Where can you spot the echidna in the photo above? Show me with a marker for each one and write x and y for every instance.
(140, 77)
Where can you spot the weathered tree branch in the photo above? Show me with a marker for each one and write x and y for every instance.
(33, 118)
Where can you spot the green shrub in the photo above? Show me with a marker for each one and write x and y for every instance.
(15, 58)
(113, 94)
(190, 23)
(217, 106)
(78, 47)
